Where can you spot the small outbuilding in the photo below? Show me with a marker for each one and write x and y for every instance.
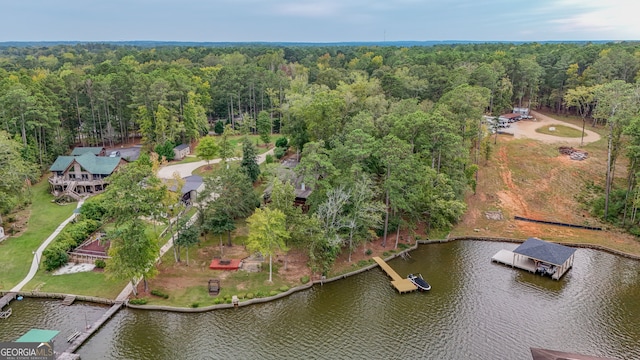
(181, 151)
(538, 256)
(521, 110)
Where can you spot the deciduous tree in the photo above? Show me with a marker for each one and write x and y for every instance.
(267, 234)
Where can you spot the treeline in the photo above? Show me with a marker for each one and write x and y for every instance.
(400, 117)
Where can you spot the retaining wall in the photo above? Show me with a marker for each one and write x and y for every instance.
(310, 283)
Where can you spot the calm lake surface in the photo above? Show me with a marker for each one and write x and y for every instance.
(475, 310)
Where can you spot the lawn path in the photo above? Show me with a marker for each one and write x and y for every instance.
(37, 256)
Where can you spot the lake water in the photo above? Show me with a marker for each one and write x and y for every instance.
(475, 310)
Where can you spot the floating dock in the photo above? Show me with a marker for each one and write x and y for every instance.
(76, 340)
(509, 258)
(401, 284)
(6, 299)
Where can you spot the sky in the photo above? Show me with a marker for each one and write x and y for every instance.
(318, 20)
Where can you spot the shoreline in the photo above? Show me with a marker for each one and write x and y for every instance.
(311, 283)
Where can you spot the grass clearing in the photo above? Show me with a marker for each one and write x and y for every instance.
(187, 285)
(560, 131)
(16, 253)
(84, 283)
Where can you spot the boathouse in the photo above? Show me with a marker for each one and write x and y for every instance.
(538, 256)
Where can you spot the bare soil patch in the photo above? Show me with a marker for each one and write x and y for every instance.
(531, 178)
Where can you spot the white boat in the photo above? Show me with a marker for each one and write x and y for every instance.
(419, 281)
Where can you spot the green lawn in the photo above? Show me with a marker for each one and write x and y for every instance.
(560, 130)
(16, 253)
(84, 283)
(186, 160)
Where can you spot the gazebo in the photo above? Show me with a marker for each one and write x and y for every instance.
(549, 258)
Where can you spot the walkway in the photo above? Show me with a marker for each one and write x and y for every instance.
(38, 254)
(86, 334)
(401, 284)
(124, 294)
(187, 169)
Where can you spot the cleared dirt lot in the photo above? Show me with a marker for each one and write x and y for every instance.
(527, 129)
(527, 176)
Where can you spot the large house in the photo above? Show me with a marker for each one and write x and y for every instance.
(82, 175)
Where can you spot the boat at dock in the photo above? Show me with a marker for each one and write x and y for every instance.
(419, 281)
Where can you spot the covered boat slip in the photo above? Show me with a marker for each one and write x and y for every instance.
(536, 255)
(38, 335)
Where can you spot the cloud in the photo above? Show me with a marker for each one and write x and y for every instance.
(609, 19)
(317, 9)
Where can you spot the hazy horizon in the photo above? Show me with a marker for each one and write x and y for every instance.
(319, 21)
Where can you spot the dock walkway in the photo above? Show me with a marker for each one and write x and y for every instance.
(401, 284)
(507, 257)
(86, 334)
(6, 299)
(68, 300)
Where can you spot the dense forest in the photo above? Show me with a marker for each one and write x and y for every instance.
(397, 125)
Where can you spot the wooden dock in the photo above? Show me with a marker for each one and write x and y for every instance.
(68, 300)
(401, 284)
(507, 257)
(6, 299)
(78, 340)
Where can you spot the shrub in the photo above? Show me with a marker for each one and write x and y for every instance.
(269, 159)
(362, 263)
(282, 142)
(403, 246)
(165, 150)
(219, 127)
(260, 294)
(250, 296)
(217, 301)
(54, 257)
(368, 252)
(195, 305)
(242, 296)
(385, 254)
(228, 301)
(305, 279)
(159, 293)
(141, 301)
(273, 293)
(100, 264)
(279, 152)
(284, 288)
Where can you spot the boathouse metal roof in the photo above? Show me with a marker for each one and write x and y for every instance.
(545, 354)
(38, 335)
(545, 251)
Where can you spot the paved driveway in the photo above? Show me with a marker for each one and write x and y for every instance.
(185, 170)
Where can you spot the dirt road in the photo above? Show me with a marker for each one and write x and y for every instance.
(527, 129)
